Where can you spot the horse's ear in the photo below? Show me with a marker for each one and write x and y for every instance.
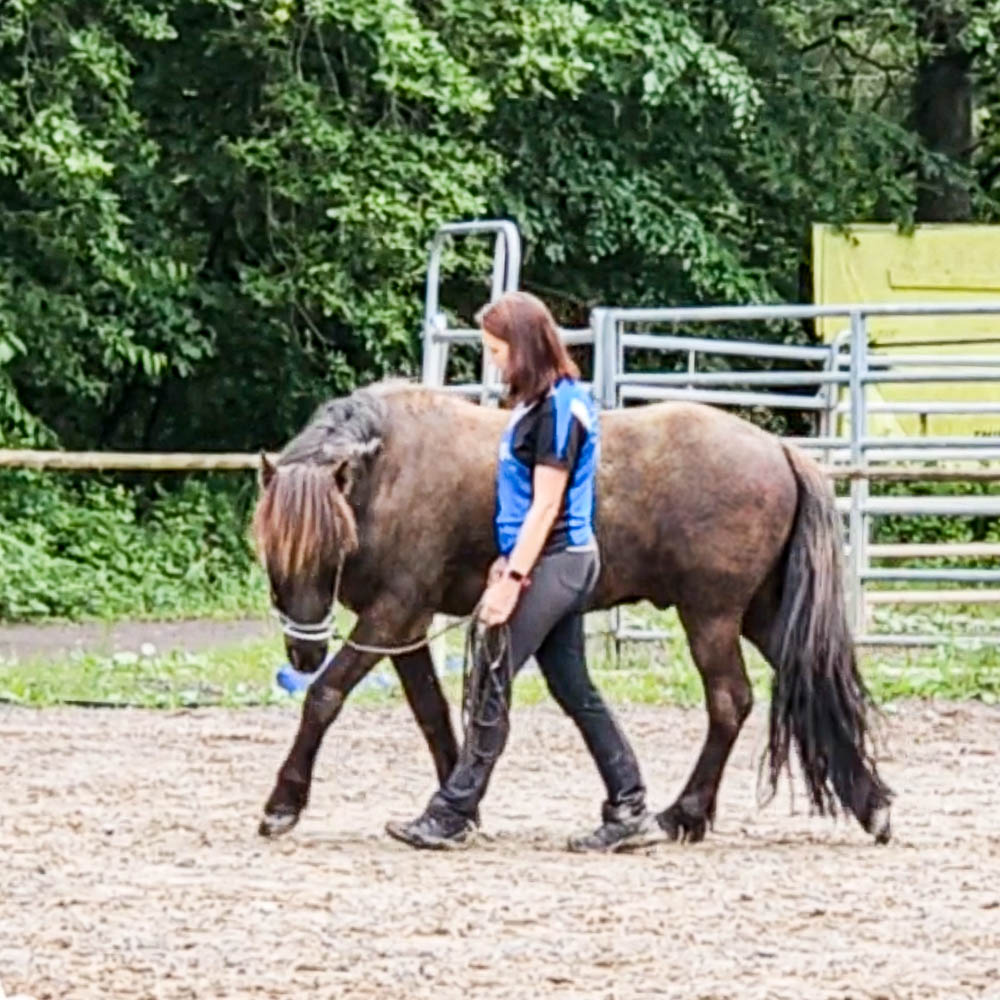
(267, 470)
(343, 476)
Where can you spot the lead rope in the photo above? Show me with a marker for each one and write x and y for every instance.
(324, 630)
(483, 668)
(485, 671)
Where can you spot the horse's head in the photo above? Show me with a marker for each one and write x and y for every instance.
(305, 527)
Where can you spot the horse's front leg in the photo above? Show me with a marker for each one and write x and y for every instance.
(322, 705)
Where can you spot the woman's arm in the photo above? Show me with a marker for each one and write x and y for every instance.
(548, 487)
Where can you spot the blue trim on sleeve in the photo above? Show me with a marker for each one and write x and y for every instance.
(562, 399)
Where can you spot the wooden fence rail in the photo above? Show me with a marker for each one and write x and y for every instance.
(135, 461)
(128, 461)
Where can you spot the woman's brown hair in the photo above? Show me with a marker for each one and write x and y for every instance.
(538, 357)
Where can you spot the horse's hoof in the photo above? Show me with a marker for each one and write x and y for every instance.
(880, 824)
(275, 824)
(680, 825)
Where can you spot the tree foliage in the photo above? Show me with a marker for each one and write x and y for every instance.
(215, 212)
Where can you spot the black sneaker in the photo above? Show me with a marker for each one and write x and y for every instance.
(622, 834)
(436, 831)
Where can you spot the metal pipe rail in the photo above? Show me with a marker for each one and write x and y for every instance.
(785, 401)
(673, 343)
(506, 277)
(963, 506)
(733, 376)
(716, 314)
(935, 550)
(931, 575)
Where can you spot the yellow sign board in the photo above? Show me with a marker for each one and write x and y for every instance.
(947, 264)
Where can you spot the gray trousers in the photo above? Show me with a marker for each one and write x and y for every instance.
(548, 624)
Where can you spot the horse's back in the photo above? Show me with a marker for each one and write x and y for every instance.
(691, 498)
(692, 501)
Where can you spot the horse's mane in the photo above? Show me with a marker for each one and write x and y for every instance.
(303, 520)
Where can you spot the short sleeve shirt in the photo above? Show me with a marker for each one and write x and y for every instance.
(560, 430)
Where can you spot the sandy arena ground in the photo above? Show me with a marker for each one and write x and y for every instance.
(131, 868)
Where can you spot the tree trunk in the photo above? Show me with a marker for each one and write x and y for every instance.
(942, 109)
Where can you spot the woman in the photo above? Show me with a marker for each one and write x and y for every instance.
(540, 584)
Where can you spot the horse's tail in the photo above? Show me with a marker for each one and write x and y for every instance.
(819, 698)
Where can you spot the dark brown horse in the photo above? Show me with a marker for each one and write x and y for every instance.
(696, 508)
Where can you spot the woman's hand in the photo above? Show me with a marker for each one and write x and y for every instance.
(496, 570)
(499, 601)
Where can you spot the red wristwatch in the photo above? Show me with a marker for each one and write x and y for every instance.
(518, 576)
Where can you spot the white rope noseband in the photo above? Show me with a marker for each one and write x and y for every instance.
(321, 631)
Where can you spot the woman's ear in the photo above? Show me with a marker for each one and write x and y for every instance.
(266, 472)
(343, 476)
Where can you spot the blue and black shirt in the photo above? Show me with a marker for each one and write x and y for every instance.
(561, 429)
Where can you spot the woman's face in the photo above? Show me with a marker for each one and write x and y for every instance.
(499, 351)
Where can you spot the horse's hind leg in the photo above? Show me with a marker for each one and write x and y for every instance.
(715, 646)
(429, 707)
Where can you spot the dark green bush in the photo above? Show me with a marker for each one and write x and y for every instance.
(92, 547)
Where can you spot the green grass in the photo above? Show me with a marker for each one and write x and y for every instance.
(647, 674)
(229, 675)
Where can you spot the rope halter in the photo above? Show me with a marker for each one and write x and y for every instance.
(321, 631)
